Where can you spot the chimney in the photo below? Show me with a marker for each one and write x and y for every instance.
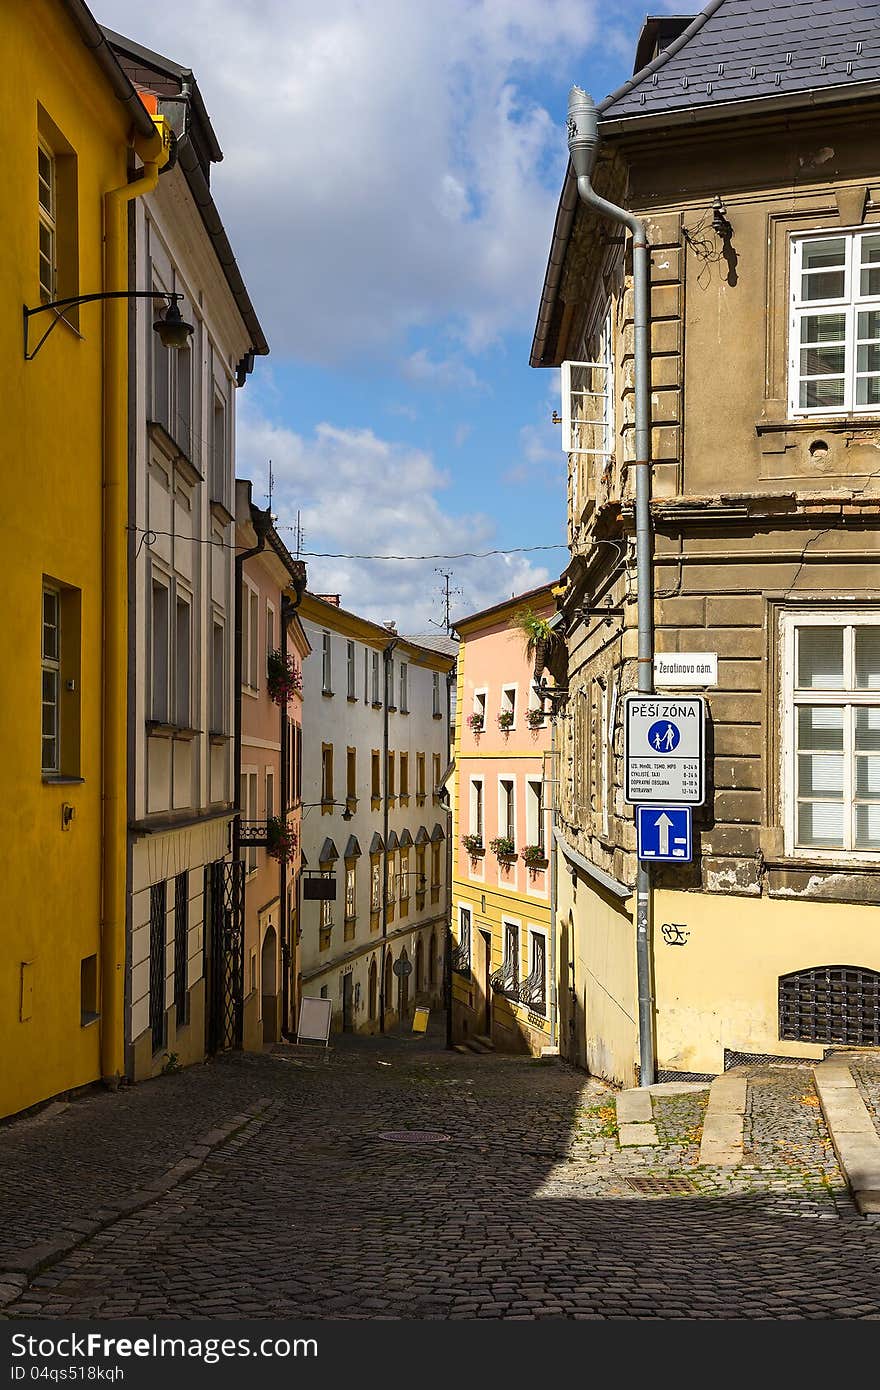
(391, 627)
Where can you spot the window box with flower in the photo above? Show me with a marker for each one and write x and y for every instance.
(505, 719)
(473, 844)
(534, 857)
(503, 847)
(535, 718)
(475, 723)
(283, 677)
(281, 839)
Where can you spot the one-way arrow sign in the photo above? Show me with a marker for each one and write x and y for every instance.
(664, 833)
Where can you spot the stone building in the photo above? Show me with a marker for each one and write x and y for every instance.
(746, 142)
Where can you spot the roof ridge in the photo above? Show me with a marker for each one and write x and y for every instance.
(662, 58)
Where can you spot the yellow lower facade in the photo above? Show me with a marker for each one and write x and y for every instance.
(477, 1009)
(717, 972)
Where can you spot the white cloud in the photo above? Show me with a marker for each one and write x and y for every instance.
(446, 375)
(360, 494)
(385, 166)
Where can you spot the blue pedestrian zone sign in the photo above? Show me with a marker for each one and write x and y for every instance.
(664, 833)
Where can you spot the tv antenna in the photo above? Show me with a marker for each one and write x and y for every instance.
(446, 594)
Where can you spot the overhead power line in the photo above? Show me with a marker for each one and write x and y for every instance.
(148, 535)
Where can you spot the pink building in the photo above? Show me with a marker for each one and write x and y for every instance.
(273, 648)
(502, 951)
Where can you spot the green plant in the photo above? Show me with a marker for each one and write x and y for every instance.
(283, 676)
(503, 846)
(534, 856)
(281, 839)
(541, 640)
(505, 719)
(172, 1064)
(472, 843)
(535, 718)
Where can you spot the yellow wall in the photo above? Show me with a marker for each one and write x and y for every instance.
(50, 524)
(598, 999)
(720, 990)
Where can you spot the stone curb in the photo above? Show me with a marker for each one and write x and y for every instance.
(17, 1271)
(721, 1145)
(853, 1134)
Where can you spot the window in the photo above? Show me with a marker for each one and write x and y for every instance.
(464, 930)
(298, 766)
(366, 675)
(834, 347)
(506, 817)
(375, 774)
(404, 881)
(404, 776)
(389, 790)
(219, 452)
(375, 885)
(159, 709)
(508, 707)
(438, 773)
(389, 683)
(250, 636)
(350, 669)
(182, 664)
(218, 680)
(51, 663)
(420, 876)
(351, 774)
(270, 793)
(326, 673)
(270, 631)
(511, 950)
(832, 744)
(435, 864)
(183, 425)
(376, 699)
(476, 821)
(88, 990)
(536, 997)
(326, 773)
(588, 391)
(350, 891)
(157, 964)
(181, 935)
(436, 695)
(420, 778)
(535, 811)
(404, 698)
(480, 707)
(47, 183)
(249, 812)
(326, 923)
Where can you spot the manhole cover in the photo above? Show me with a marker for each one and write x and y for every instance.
(414, 1136)
(662, 1187)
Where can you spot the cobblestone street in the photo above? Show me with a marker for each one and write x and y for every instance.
(262, 1186)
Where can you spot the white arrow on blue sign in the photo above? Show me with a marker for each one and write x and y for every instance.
(664, 833)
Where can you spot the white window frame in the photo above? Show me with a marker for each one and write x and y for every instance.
(503, 827)
(574, 442)
(48, 221)
(349, 666)
(250, 637)
(536, 813)
(404, 693)
(790, 621)
(51, 666)
(376, 683)
(510, 701)
(533, 930)
(477, 800)
(481, 701)
(248, 795)
(326, 663)
(850, 304)
(350, 892)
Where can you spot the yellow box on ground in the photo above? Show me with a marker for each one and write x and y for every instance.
(420, 1020)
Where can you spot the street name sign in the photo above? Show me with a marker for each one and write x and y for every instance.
(686, 668)
(664, 750)
(664, 833)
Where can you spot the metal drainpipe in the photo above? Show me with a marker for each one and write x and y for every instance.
(287, 611)
(386, 658)
(583, 145)
(447, 954)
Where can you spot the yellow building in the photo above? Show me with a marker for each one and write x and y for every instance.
(72, 128)
(504, 956)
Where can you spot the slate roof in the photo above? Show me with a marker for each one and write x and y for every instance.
(738, 50)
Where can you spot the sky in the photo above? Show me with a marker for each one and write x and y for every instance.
(390, 179)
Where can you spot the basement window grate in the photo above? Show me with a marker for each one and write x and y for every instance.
(662, 1187)
(831, 1004)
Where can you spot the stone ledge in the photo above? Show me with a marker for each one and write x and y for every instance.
(853, 1134)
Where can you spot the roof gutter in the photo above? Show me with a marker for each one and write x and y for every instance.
(93, 39)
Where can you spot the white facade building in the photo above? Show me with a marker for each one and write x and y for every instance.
(374, 753)
(181, 589)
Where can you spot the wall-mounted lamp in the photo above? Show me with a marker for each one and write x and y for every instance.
(720, 223)
(172, 328)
